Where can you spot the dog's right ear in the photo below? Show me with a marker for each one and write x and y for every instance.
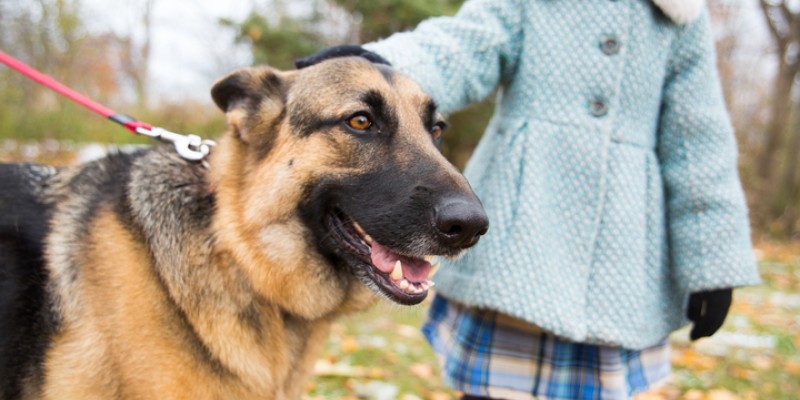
(251, 96)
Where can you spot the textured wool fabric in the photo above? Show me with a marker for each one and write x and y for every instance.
(485, 353)
(608, 170)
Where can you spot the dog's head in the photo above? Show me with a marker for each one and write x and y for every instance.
(331, 176)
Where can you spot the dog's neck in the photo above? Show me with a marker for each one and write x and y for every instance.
(236, 317)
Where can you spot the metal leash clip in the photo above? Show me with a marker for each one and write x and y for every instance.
(189, 147)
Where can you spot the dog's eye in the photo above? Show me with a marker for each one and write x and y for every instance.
(359, 122)
(438, 130)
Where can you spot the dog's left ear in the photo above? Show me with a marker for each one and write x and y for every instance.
(256, 94)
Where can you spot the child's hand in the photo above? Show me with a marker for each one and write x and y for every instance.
(708, 310)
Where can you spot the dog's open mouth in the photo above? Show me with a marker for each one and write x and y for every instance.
(403, 278)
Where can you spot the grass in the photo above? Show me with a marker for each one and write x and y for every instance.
(383, 345)
(756, 354)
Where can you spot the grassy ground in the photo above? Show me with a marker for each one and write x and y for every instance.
(381, 355)
(756, 355)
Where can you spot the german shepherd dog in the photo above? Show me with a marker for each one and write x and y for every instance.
(145, 276)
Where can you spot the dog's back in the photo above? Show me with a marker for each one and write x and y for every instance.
(25, 315)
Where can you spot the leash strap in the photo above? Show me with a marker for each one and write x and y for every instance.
(190, 147)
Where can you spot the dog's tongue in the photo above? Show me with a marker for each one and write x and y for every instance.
(414, 269)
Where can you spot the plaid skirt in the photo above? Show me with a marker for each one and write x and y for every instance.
(486, 353)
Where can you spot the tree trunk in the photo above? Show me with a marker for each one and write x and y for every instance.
(789, 186)
(781, 106)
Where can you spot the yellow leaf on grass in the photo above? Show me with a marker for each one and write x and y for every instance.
(721, 394)
(349, 344)
(409, 332)
(421, 370)
(762, 363)
(792, 367)
(694, 394)
(743, 373)
(439, 396)
(694, 360)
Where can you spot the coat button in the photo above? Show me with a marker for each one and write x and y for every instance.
(610, 46)
(598, 107)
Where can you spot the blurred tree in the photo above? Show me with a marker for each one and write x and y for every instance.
(277, 38)
(375, 19)
(134, 55)
(778, 161)
(51, 36)
(44, 34)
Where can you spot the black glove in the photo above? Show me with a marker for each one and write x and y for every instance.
(343, 50)
(708, 310)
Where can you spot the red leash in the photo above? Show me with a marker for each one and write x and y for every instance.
(190, 147)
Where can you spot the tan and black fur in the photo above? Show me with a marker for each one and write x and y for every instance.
(145, 276)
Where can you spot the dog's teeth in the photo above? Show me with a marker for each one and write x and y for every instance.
(361, 232)
(430, 283)
(397, 272)
(359, 229)
(404, 284)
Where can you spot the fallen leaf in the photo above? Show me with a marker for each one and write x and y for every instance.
(376, 373)
(439, 396)
(408, 331)
(424, 371)
(693, 360)
(743, 373)
(311, 386)
(792, 367)
(762, 363)
(349, 344)
(693, 394)
(721, 394)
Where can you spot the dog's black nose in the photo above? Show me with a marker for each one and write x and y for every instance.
(460, 222)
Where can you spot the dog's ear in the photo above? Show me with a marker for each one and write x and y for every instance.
(252, 98)
(248, 85)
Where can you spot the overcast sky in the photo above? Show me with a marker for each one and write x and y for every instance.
(189, 47)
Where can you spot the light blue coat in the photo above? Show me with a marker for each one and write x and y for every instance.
(608, 171)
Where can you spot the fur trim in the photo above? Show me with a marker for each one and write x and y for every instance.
(681, 11)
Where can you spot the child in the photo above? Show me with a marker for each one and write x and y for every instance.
(609, 176)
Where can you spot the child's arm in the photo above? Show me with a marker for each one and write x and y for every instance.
(709, 234)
